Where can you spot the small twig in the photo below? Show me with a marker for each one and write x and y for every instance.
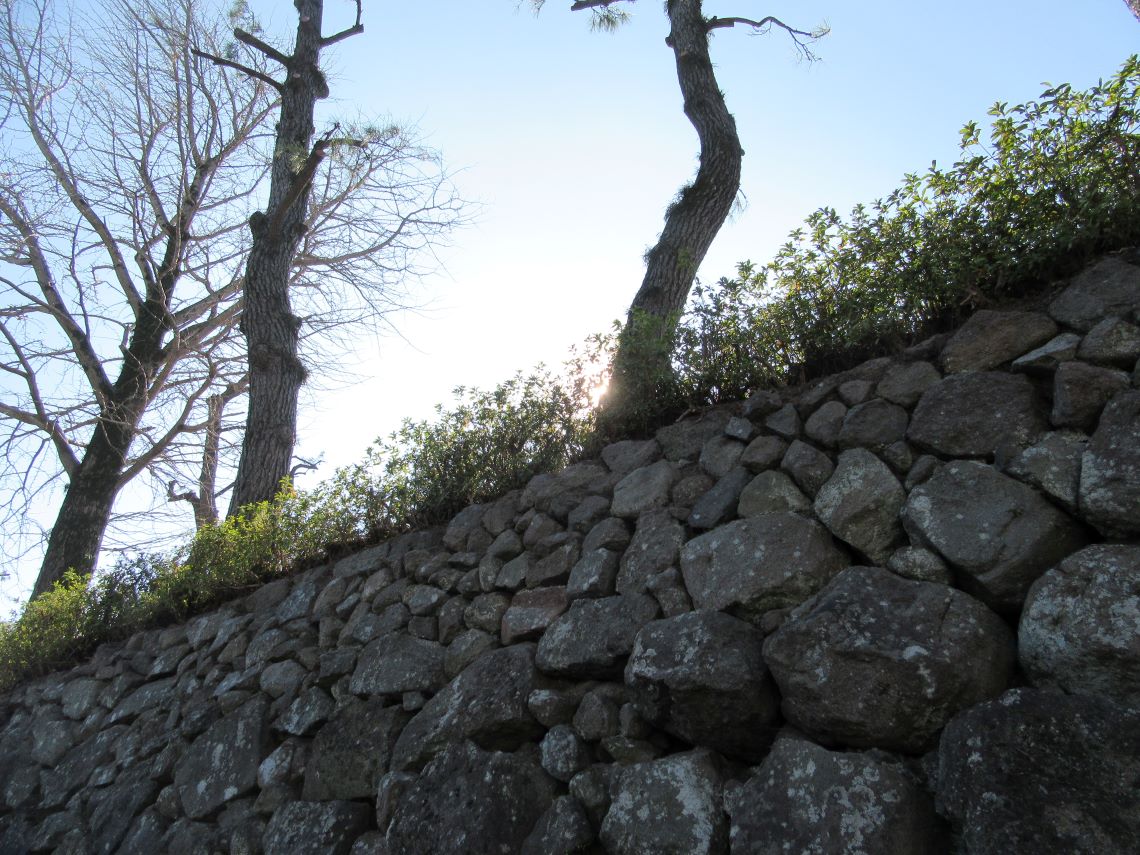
(801, 38)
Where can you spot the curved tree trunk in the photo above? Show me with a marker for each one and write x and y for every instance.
(691, 223)
(271, 329)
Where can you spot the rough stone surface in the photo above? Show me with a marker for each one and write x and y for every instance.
(1113, 342)
(804, 798)
(999, 534)
(718, 504)
(672, 805)
(643, 489)
(656, 543)
(990, 338)
(221, 764)
(751, 566)
(860, 504)
(593, 639)
(1110, 469)
(315, 828)
(1039, 771)
(397, 663)
(1109, 287)
(1053, 466)
(1080, 630)
(771, 492)
(701, 677)
(976, 414)
(625, 456)
(685, 439)
(808, 466)
(1045, 359)
(764, 452)
(823, 425)
(904, 383)
(720, 454)
(470, 800)
(351, 751)
(1080, 392)
(877, 661)
(531, 612)
(487, 703)
(565, 827)
(874, 424)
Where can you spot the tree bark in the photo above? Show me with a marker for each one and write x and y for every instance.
(691, 223)
(271, 329)
(1134, 5)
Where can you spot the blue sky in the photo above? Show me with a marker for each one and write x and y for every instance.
(573, 143)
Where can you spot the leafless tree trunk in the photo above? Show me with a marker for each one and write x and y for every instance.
(693, 221)
(270, 327)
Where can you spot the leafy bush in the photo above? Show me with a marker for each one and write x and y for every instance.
(1058, 183)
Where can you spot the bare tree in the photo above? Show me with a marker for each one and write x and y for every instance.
(130, 170)
(701, 208)
(272, 331)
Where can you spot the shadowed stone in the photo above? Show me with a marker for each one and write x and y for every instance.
(1110, 469)
(221, 764)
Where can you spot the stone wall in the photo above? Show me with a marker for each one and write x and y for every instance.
(897, 611)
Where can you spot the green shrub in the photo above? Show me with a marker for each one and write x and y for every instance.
(1057, 184)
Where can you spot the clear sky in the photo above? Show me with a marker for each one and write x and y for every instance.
(574, 142)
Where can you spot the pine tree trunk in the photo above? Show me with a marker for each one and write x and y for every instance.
(691, 223)
(271, 329)
(1134, 5)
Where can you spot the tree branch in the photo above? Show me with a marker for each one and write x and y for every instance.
(344, 34)
(801, 38)
(256, 43)
(245, 69)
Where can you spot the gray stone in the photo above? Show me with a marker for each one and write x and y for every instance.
(564, 828)
(558, 494)
(879, 661)
(506, 546)
(808, 466)
(701, 677)
(531, 612)
(396, 663)
(670, 806)
(513, 574)
(689, 490)
(315, 828)
(352, 750)
(563, 753)
(79, 696)
(423, 599)
(761, 403)
(1040, 771)
(221, 764)
(804, 798)
(555, 706)
(589, 512)
(823, 425)
(465, 649)
(999, 534)
(284, 765)
(655, 546)
(853, 392)
(919, 565)
(904, 382)
(625, 456)
(465, 522)
(644, 489)
(719, 504)
(1045, 359)
(750, 566)
(299, 603)
(470, 800)
(1113, 342)
(112, 809)
(1053, 466)
(594, 638)
(685, 439)
(155, 694)
(594, 575)
(610, 533)
(1080, 630)
(501, 513)
(1080, 392)
(51, 739)
(598, 715)
(1109, 287)
(486, 612)
(282, 679)
(739, 428)
(975, 414)
(720, 454)
(785, 422)
(874, 424)
(365, 562)
(487, 703)
(771, 492)
(554, 569)
(764, 452)
(860, 504)
(990, 338)
(1110, 469)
